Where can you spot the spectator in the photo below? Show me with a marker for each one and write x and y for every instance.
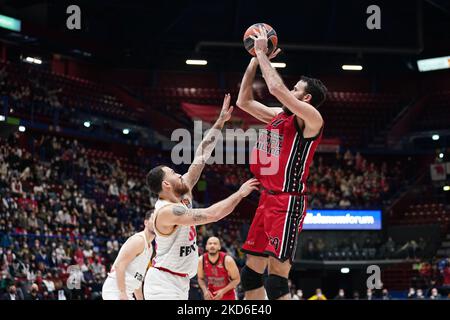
(340, 295)
(385, 294)
(412, 293)
(369, 294)
(390, 248)
(293, 293)
(419, 294)
(299, 294)
(446, 276)
(435, 294)
(11, 294)
(34, 294)
(318, 295)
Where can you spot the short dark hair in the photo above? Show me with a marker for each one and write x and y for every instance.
(316, 89)
(155, 178)
(148, 214)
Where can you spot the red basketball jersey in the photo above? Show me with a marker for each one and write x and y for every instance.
(217, 275)
(281, 157)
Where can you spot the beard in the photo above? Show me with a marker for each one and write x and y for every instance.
(180, 189)
(213, 253)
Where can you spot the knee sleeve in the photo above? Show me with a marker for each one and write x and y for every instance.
(251, 279)
(276, 286)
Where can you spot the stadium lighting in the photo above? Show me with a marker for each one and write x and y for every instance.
(87, 124)
(435, 137)
(430, 64)
(2, 118)
(126, 131)
(446, 188)
(10, 23)
(441, 155)
(22, 128)
(345, 270)
(278, 64)
(194, 62)
(33, 60)
(353, 67)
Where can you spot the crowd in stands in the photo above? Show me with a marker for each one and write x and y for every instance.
(61, 208)
(370, 294)
(35, 92)
(352, 181)
(370, 248)
(433, 273)
(345, 180)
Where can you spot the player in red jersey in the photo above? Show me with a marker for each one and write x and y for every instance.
(280, 161)
(218, 274)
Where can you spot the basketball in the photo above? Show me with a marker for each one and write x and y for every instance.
(271, 36)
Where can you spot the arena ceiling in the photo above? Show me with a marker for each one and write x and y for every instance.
(164, 33)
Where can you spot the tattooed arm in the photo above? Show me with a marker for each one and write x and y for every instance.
(208, 144)
(180, 215)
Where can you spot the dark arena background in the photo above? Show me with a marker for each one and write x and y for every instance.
(87, 110)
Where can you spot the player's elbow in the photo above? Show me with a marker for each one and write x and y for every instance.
(120, 267)
(243, 103)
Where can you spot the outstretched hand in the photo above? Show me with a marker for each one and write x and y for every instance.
(225, 113)
(249, 186)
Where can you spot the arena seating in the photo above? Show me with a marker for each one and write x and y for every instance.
(435, 113)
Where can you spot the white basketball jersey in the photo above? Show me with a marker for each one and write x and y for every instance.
(135, 272)
(177, 252)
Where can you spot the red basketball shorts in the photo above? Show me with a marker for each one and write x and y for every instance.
(276, 225)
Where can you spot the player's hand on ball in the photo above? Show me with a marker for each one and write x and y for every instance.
(225, 114)
(274, 54)
(260, 40)
(249, 186)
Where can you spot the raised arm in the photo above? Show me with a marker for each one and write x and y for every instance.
(208, 144)
(312, 118)
(180, 215)
(245, 99)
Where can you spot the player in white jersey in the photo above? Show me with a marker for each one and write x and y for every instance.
(129, 268)
(175, 220)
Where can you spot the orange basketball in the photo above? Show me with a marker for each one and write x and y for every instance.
(271, 36)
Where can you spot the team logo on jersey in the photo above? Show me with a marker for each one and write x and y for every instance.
(187, 250)
(274, 241)
(270, 142)
(139, 277)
